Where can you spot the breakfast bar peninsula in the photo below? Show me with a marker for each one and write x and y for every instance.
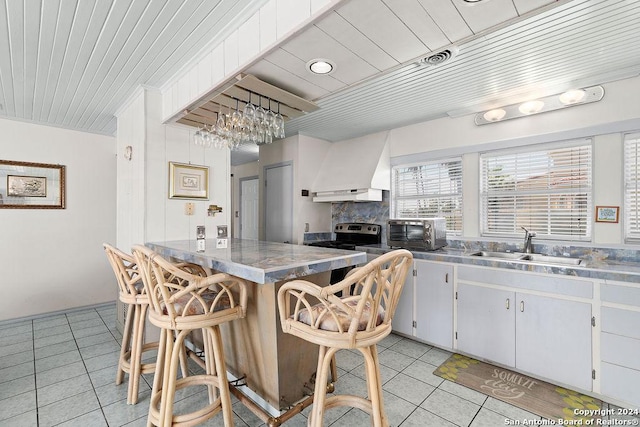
(277, 368)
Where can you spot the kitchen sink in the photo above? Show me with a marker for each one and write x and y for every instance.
(504, 255)
(549, 259)
(520, 256)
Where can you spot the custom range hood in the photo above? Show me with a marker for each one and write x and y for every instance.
(355, 170)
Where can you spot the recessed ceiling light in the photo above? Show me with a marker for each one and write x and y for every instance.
(473, 1)
(320, 66)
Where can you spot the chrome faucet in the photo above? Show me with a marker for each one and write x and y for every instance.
(528, 247)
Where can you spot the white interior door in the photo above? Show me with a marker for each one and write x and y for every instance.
(279, 203)
(249, 208)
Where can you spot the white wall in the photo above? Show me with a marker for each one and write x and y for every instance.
(52, 259)
(145, 212)
(605, 122)
(317, 215)
(619, 110)
(306, 155)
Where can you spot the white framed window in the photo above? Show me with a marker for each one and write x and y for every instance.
(429, 189)
(545, 188)
(632, 188)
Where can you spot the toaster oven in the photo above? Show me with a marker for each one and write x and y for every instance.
(425, 234)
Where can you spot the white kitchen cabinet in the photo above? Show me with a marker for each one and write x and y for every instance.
(553, 339)
(486, 323)
(403, 317)
(620, 342)
(542, 335)
(434, 303)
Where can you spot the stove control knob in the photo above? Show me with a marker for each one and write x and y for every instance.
(369, 228)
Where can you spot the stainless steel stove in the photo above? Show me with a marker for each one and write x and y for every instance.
(352, 234)
(348, 236)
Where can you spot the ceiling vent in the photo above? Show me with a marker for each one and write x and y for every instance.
(440, 57)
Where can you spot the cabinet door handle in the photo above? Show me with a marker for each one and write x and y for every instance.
(446, 278)
(522, 306)
(507, 304)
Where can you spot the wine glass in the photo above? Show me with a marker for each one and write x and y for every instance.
(268, 135)
(220, 124)
(269, 117)
(278, 124)
(206, 137)
(249, 112)
(259, 114)
(236, 117)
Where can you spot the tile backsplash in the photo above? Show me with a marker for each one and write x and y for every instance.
(379, 213)
(369, 212)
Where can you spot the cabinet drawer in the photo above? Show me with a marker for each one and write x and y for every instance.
(621, 294)
(621, 322)
(621, 383)
(556, 284)
(620, 350)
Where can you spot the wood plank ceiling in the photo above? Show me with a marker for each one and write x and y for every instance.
(72, 63)
(508, 51)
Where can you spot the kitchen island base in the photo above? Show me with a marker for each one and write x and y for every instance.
(271, 373)
(278, 369)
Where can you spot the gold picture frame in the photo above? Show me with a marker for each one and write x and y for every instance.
(187, 181)
(26, 185)
(607, 214)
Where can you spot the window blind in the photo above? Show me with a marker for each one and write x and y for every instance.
(631, 188)
(546, 189)
(432, 189)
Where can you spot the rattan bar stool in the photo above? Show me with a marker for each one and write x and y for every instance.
(180, 303)
(355, 313)
(131, 292)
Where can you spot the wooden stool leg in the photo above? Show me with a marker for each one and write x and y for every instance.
(374, 386)
(175, 349)
(221, 369)
(325, 358)
(137, 337)
(334, 369)
(383, 415)
(184, 367)
(209, 360)
(158, 377)
(124, 348)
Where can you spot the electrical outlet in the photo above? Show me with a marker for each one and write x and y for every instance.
(189, 208)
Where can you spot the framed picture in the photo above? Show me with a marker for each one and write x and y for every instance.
(25, 185)
(188, 181)
(607, 213)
